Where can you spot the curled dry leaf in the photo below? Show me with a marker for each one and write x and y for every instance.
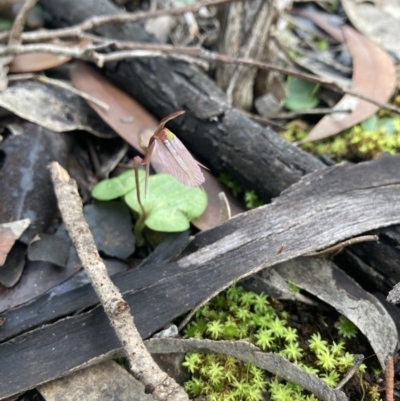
(11, 271)
(374, 75)
(378, 20)
(134, 124)
(323, 279)
(9, 233)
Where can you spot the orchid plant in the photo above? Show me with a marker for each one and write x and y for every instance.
(174, 156)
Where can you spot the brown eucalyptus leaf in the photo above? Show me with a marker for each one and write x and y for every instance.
(132, 122)
(379, 20)
(9, 233)
(34, 62)
(323, 279)
(374, 75)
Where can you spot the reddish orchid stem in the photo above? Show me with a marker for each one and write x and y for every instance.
(140, 222)
(389, 378)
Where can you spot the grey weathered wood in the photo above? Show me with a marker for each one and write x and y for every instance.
(104, 381)
(221, 137)
(347, 201)
(247, 30)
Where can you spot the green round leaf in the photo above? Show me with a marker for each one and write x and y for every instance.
(301, 95)
(370, 124)
(169, 205)
(113, 188)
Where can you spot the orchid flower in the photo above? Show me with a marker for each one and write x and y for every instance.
(173, 154)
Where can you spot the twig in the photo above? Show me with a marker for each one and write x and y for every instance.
(142, 365)
(14, 38)
(264, 121)
(19, 22)
(95, 22)
(136, 49)
(358, 360)
(341, 245)
(321, 110)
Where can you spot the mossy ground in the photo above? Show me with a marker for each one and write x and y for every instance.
(288, 329)
(365, 141)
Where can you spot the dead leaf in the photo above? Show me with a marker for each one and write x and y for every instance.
(331, 24)
(25, 185)
(9, 233)
(374, 75)
(54, 108)
(131, 121)
(318, 63)
(49, 248)
(323, 279)
(111, 227)
(379, 20)
(37, 278)
(11, 271)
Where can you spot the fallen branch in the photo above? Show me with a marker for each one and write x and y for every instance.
(142, 365)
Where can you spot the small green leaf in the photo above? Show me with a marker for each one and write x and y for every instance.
(113, 188)
(388, 124)
(170, 206)
(370, 124)
(5, 23)
(301, 94)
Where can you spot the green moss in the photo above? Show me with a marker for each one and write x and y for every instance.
(380, 133)
(250, 198)
(238, 314)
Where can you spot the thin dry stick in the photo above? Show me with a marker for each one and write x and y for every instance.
(142, 365)
(14, 38)
(264, 121)
(19, 22)
(358, 360)
(136, 50)
(341, 245)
